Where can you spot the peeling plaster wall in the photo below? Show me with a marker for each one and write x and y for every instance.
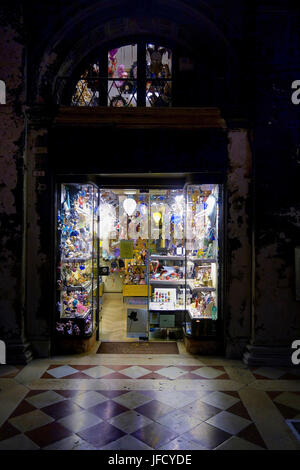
(276, 319)
(39, 232)
(12, 138)
(238, 252)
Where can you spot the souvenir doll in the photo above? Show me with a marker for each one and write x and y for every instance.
(112, 62)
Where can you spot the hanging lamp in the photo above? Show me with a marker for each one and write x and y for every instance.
(156, 217)
(129, 205)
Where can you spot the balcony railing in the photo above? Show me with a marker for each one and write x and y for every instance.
(118, 92)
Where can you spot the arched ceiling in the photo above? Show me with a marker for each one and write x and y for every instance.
(61, 36)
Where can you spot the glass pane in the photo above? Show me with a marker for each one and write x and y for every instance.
(202, 251)
(75, 259)
(158, 71)
(167, 263)
(87, 88)
(122, 75)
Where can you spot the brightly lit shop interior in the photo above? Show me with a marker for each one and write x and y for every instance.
(137, 264)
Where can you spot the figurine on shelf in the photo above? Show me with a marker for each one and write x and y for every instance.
(142, 280)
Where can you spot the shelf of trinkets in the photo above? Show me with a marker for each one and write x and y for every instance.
(75, 225)
(165, 274)
(135, 274)
(75, 303)
(76, 274)
(168, 257)
(203, 277)
(203, 306)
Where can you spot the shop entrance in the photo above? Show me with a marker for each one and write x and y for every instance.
(139, 263)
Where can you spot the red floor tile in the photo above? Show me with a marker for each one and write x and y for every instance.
(61, 409)
(68, 393)
(252, 435)
(113, 393)
(115, 375)
(7, 430)
(101, 434)
(77, 375)
(153, 409)
(155, 435)
(240, 410)
(286, 411)
(153, 375)
(107, 409)
(48, 434)
(24, 407)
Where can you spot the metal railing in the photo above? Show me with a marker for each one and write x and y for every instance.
(103, 91)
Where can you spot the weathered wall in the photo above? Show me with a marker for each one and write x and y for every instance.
(12, 166)
(40, 265)
(238, 248)
(277, 172)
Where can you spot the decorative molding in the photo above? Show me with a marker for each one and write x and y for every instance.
(141, 118)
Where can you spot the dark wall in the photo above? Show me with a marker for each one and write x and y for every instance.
(111, 151)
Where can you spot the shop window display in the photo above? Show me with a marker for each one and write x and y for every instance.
(77, 280)
(159, 248)
(118, 84)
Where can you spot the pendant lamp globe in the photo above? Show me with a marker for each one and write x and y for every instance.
(129, 206)
(156, 217)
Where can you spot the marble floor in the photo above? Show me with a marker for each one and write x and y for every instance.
(165, 402)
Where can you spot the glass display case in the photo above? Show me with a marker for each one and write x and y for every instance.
(202, 259)
(77, 260)
(166, 263)
(158, 250)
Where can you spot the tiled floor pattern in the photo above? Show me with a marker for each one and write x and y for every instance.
(118, 419)
(124, 403)
(287, 403)
(9, 372)
(271, 373)
(134, 372)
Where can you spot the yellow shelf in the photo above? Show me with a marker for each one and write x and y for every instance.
(135, 291)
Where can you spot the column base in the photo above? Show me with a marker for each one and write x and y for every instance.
(18, 352)
(268, 356)
(41, 347)
(202, 347)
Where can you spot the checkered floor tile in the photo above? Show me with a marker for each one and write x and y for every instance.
(135, 372)
(9, 371)
(287, 403)
(273, 373)
(132, 420)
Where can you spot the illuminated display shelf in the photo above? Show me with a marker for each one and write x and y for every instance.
(160, 307)
(76, 260)
(84, 286)
(202, 260)
(177, 282)
(72, 316)
(168, 257)
(194, 288)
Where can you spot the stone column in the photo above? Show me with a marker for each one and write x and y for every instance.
(12, 186)
(238, 250)
(40, 221)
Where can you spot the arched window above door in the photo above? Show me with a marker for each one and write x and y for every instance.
(138, 74)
